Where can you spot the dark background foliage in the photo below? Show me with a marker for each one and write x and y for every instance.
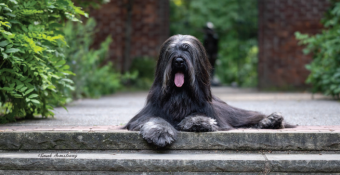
(92, 78)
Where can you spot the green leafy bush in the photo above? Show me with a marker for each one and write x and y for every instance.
(235, 22)
(92, 79)
(325, 47)
(33, 73)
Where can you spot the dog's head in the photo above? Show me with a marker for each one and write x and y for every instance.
(183, 64)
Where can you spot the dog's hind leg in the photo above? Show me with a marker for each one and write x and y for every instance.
(274, 121)
(240, 118)
(198, 123)
(158, 132)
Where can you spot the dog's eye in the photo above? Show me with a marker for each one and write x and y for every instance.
(185, 46)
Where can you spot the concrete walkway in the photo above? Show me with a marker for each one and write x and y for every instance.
(118, 109)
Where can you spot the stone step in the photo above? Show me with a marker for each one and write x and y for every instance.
(169, 162)
(302, 138)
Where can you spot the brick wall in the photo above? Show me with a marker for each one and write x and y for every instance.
(149, 24)
(281, 61)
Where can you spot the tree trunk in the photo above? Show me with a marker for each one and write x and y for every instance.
(127, 43)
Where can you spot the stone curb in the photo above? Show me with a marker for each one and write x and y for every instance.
(126, 140)
(303, 163)
(25, 172)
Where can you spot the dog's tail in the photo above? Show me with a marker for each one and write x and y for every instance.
(288, 125)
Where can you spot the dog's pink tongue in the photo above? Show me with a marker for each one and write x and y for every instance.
(179, 79)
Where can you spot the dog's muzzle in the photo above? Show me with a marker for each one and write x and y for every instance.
(179, 65)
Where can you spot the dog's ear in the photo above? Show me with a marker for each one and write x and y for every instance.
(161, 63)
(202, 63)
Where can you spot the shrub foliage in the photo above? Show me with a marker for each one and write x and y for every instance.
(325, 47)
(92, 79)
(32, 65)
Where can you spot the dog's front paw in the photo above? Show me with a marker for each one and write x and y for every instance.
(198, 124)
(273, 121)
(160, 135)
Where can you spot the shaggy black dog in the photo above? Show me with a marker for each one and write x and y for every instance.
(180, 98)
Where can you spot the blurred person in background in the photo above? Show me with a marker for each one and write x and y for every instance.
(211, 46)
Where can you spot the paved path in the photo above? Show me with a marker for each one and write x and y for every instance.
(298, 108)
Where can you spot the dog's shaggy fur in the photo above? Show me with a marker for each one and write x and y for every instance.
(186, 104)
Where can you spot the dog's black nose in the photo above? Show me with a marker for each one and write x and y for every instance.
(179, 61)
